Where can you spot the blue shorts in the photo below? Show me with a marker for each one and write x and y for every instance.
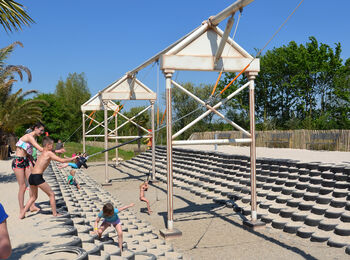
(3, 215)
(111, 223)
(73, 165)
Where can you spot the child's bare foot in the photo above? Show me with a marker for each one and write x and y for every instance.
(56, 215)
(22, 214)
(34, 208)
(150, 212)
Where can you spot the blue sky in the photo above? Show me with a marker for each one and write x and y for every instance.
(105, 39)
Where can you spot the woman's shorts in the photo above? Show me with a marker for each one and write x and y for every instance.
(111, 223)
(36, 179)
(20, 163)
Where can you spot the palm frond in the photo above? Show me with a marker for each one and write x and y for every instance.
(13, 16)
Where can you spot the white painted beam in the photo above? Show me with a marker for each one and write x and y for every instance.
(215, 20)
(214, 141)
(206, 63)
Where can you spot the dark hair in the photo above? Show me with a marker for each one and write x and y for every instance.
(108, 208)
(38, 125)
(47, 140)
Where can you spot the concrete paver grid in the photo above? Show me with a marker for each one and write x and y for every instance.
(210, 231)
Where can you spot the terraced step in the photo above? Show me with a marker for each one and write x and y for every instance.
(310, 200)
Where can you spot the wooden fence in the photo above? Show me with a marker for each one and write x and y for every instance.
(333, 140)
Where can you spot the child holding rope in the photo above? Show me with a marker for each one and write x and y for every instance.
(143, 188)
(110, 216)
(36, 179)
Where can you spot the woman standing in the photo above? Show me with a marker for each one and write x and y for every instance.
(23, 161)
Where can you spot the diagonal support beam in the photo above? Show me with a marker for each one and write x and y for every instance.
(131, 120)
(224, 39)
(215, 20)
(210, 109)
(98, 124)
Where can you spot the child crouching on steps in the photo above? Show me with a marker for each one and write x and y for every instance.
(71, 179)
(110, 215)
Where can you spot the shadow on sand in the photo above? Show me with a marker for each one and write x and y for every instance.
(22, 249)
(204, 209)
(7, 177)
(211, 208)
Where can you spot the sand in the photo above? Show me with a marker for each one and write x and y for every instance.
(24, 237)
(209, 231)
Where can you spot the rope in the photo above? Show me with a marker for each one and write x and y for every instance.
(244, 69)
(160, 128)
(73, 133)
(285, 21)
(92, 118)
(163, 116)
(261, 50)
(147, 73)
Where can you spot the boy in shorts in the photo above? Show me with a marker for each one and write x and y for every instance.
(110, 215)
(36, 178)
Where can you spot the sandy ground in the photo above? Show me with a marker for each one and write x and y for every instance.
(209, 231)
(23, 235)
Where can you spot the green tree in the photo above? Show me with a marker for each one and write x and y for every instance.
(142, 120)
(186, 109)
(237, 108)
(13, 16)
(71, 94)
(53, 115)
(339, 106)
(298, 86)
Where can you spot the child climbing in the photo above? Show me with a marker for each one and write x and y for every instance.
(110, 216)
(80, 161)
(71, 179)
(143, 188)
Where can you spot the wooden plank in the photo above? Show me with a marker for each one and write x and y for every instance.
(206, 63)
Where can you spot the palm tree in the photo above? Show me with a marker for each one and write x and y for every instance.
(13, 16)
(17, 111)
(7, 71)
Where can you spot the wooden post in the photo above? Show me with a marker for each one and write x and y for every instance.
(153, 144)
(170, 231)
(84, 144)
(105, 109)
(116, 139)
(253, 223)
